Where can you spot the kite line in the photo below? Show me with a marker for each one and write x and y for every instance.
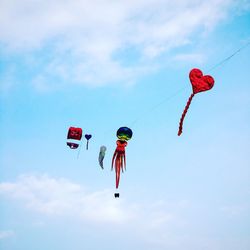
(79, 150)
(229, 57)
(159, 104)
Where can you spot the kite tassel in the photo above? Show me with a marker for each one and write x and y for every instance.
(113, 159)
(118, 162)
(184, 113)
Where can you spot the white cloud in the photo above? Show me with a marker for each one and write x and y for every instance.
(159, 224)
(84, 39)
(191, 57)
(6, 234)
(235, 210)
(60, 197)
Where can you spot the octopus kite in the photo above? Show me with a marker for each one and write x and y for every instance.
(199, 83)
(119, 158)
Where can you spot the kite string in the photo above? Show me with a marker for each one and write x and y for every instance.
(78, 153)
(229, 57)
(158, 104)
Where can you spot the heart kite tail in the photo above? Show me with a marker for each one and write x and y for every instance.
(184, 113)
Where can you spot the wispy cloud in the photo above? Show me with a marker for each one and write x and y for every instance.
(6, 234)
(159, 223)
(61, 197)
(154, 222)
(195, 58)
(91, 42)
(235, 210)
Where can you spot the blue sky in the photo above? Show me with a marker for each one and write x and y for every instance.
(100, 65)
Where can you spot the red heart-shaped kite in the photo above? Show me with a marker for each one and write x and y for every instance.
(199, 83)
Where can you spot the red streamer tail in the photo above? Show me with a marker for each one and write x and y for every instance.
(113, 159)
(184, 113)
(124, 158)
(118, 161)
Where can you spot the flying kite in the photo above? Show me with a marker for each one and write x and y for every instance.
(74, 134)
(102, 155)
(199, 83)
(88, 137)
(119, 158)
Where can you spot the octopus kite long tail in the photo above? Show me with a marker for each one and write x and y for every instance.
(119, 158)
